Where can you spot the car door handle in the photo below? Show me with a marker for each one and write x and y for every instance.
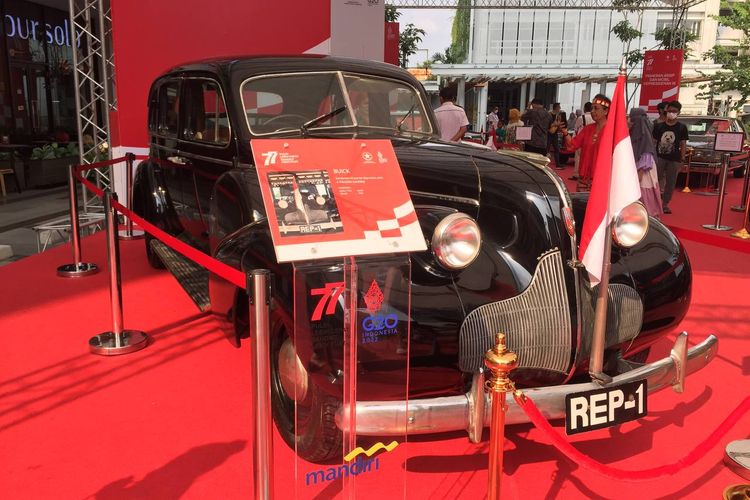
(178, 160)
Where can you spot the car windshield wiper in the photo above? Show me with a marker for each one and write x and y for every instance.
(407, 115)
(320, 119)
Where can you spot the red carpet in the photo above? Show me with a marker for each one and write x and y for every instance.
(173, 420)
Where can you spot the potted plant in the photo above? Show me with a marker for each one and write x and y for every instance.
(48, 164)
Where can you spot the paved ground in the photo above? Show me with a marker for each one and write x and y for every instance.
(19, 213)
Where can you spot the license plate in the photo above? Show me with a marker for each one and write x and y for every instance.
(599, 408)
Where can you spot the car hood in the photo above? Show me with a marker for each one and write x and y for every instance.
(440, 174)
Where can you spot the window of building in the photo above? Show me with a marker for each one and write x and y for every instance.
(692, 25)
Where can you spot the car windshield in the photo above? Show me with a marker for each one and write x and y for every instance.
(703, 128)
(301, 102)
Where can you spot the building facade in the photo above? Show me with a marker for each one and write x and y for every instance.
(36, 71)
(568, 56)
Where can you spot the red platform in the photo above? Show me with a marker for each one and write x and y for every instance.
(173, 420)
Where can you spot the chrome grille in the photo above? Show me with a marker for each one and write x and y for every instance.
(536, 322)
(624, 315)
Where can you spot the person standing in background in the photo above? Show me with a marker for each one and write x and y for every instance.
(451, 119)
(588, 141)
(581, 121)
(558, 119)
(644, 152)
(493, 119)
(661, 108)
(540, 121)
(514, 121)
(671, 143)
(572, 120)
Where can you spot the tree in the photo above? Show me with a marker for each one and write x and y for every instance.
(459, 48)
(408, 39)
(735, 62)
(627, 33)
(446, 57)
(668, 37)
(391, 14)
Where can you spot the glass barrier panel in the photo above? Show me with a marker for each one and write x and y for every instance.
(348, 348)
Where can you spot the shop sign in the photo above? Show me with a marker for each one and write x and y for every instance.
(27, 29)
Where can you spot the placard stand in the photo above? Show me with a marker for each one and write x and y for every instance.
(346, 342)
(350, 344)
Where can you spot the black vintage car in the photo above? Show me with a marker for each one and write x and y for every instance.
(516, 269)
(701, 136)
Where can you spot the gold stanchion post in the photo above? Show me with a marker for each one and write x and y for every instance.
(500, 361)
(742, 233)
(686, 189)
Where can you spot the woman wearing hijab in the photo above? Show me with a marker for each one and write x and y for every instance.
(587, 140)
(644, 153)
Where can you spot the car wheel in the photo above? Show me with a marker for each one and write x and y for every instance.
(314, 436)
(738, 172)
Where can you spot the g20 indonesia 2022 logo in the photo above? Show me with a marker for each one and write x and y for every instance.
(379, 323)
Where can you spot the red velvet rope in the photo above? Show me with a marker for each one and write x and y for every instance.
(99, 164)
(219, 268)
(564, 446)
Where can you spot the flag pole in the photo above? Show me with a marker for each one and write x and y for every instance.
(596, 362)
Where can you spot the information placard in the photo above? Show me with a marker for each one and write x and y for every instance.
(523, 133)
(730, 142)
(334, 198)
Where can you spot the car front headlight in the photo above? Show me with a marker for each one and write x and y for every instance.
(456, 241)
(630, 225)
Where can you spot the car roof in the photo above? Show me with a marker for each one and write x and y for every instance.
(258, 65)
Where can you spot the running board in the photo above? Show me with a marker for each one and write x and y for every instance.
(191, 277)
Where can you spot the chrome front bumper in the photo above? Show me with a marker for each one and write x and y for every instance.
(471, 412)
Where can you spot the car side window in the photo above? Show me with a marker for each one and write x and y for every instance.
(206, 119)
(169, 109)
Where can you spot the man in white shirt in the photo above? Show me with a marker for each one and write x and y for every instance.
(451, 119)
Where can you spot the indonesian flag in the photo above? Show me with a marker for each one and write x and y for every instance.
(615, 185)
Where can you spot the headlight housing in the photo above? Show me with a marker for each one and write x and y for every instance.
(630, 225)
(456, 241)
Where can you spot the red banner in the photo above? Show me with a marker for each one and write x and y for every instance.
(390, 52)
(333, 198)
(662, 71)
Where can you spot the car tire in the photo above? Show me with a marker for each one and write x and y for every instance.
(317, 438)
(738, 172)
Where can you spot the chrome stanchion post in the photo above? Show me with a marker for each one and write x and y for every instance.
(259, 291)
(720, 206)
(77, 268)
(745, 185)
(129, 233)
(119, 340)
